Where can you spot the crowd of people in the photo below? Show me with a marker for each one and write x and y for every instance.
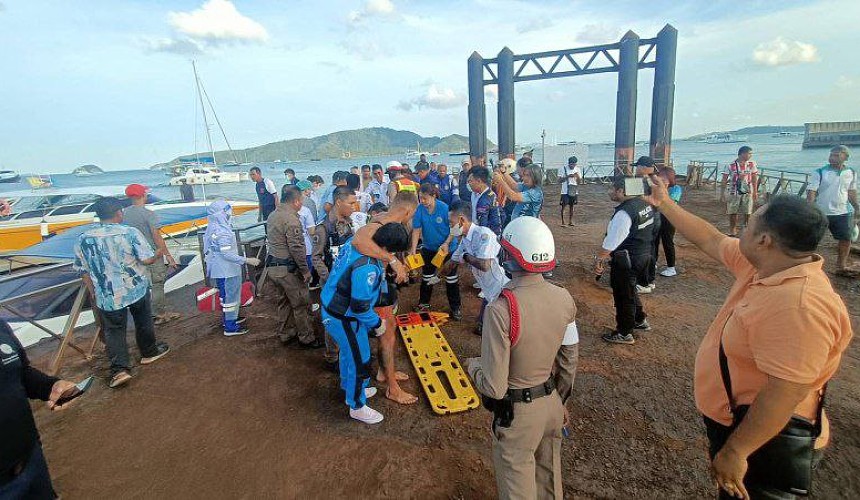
(336, 256)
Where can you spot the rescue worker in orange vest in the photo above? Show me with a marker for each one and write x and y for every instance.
(399, 182)
(527, 365)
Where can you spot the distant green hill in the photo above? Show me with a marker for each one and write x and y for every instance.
(758, 129)
(375, 141)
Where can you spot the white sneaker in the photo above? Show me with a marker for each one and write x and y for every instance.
(644, 289)
(669, 272)
(366, 414)
(369, 392)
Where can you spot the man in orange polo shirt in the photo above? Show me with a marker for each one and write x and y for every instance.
(779, 337)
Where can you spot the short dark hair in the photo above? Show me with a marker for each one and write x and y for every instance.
(338, 176)
(618, 182)
(429, 188)
(420, 167)
(744, 149)
(461, 208)
(377, 208)
(524, 162)
(376, 166)
(795, 224)
(365, 167)
(290, 193)
(316, 178)
(392, 237)
(341, 193)
(255, 169)
(290, 171)
(572, 160)
(480, 173)
(353, 181)
(107, 207)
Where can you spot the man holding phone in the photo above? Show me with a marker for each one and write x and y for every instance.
(23, 470)
(628, 248)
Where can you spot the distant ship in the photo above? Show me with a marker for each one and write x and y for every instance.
(725, 138)
(9, 176)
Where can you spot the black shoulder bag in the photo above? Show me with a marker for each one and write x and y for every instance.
(786, 461)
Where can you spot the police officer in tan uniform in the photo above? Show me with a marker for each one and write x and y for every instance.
(527, 365)
(288, 268)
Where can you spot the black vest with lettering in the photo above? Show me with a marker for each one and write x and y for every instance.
(267, 199)
(641, 238)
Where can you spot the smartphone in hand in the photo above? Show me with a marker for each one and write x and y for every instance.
(79, 389)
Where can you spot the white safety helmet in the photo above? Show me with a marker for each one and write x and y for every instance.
(394, 165)
(529, 245)
(509, 163)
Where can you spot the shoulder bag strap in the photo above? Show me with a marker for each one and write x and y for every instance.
(514, 310)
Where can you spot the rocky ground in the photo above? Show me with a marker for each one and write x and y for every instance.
(247, 418)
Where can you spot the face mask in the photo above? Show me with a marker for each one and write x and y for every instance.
(457, 230)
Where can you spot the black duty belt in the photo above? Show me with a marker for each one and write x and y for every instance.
(532, 393)
(278, 262)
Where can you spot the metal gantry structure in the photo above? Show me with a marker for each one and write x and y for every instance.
(625, 57)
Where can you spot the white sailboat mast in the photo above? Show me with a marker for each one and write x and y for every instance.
(205, 122)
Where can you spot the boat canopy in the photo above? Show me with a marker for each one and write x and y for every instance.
(62, 246)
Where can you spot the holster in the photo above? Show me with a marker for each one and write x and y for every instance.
(503, 410)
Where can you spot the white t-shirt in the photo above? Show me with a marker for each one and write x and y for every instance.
(270, 186)
(568, 182)
(364, 200)
(831, 187)
(481, 242)
(617, 231)
(307, 220)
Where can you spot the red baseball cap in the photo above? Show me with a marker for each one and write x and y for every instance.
(136, 190)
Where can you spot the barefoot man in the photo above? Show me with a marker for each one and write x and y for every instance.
(401, 211)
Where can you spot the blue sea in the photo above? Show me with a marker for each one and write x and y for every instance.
(770, 152)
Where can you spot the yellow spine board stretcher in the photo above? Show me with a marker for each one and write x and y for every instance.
(444, 381)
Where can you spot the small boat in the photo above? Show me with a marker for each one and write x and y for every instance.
(9, 176)
(38, 216)
(40, 181)
(725, 138)
(208, 175)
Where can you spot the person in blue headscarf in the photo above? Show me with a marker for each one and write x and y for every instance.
(224, 264)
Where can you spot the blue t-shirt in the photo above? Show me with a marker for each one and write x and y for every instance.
(532, 201)
(434, 227)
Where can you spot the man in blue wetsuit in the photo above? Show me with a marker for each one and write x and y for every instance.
(348, 297)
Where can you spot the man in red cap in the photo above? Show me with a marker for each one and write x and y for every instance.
(146, 221)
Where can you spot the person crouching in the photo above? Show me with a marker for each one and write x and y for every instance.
(224, 264)
(348, 297)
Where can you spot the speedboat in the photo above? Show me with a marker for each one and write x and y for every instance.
(208, 175)
(37, 216)
(9, 176)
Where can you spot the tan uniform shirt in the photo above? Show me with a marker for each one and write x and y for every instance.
(545, 313)
(286, 236)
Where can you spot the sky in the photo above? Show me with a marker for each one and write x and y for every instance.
(110, 82)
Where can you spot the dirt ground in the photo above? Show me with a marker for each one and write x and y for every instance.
(248, 418)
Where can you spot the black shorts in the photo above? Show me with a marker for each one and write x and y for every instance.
(841, 226)
(570, 199)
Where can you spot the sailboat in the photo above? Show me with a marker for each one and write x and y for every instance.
(204, 170)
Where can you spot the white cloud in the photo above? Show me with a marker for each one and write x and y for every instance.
(491, 93)
(846, 82)
(534, 24)
(372, 8)
(784, 52)
(183, 46)
(218, 21)
(435, 98)
(598, 34)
